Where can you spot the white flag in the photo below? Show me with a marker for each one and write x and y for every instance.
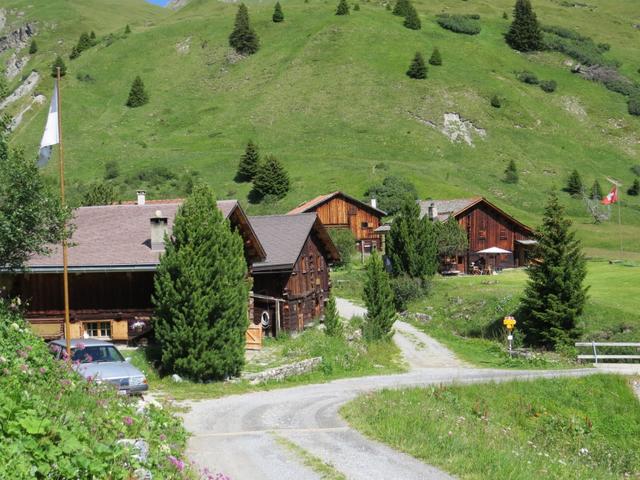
(51, 134)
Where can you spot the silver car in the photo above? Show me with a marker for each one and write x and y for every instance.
(102, 362)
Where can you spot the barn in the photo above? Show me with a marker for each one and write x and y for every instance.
(339, 210)
(291, 285)
(487, 226)
(113, 255)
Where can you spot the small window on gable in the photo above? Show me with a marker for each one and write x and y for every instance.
(364, 225)
(503, 233)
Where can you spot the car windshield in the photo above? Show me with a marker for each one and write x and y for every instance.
(97, 354)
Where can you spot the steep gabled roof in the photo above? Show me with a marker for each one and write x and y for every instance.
(284, 236)
(117, 237)
(320, 199)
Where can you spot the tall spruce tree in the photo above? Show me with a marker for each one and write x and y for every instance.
(436, 58)
(271, 180)
(412, 19)
(201, 293)
(524, 33)
(332, 322)
(243, 38)
(277, 16)
(574, 184)
(127, 30)
(596, 191)
(249, 162)
(401, 8)
(554, 297)
(342, 8)
(379, 300)
(412, 246)
(137, 95)
(417, 69)
(511, 173)
(58, 63)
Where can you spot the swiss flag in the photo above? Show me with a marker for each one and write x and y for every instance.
(612, 196)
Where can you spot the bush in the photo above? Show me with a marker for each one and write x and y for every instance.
(459, 23)
(496, 102)
(574, 45)
(634, 105)
(356, 7)
(342, 8)
(636, 170)
(33, 48)
(111, 170)
(85, 77)
(345, 242)
(548, 86)
(436, 58)
(634, 189)
(528, 77)
(405, 290)
(56, 424)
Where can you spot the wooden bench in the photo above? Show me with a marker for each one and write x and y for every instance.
(595, 356)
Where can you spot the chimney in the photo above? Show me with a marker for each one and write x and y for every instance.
(432, 212)
(158, 230)
(141, 197)
(374, 202)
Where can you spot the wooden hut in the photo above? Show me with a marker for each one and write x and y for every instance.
(486, 226)
(339, 210)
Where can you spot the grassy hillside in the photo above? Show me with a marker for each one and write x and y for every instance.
(329, 97)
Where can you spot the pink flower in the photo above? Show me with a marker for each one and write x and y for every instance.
(127, 420)
(176, 462)
(24, 367)
(42, 370)
(163, 437)
(23, 354)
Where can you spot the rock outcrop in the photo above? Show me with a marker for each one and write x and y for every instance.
(14, 65)
(17, 39)
(23, 90)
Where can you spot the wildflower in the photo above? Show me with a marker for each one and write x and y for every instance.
(15, 326)
(127, 420)
(176, 462)
(2, 359)
(24, 367)
(42, 370)
(23, 354)
(163, 437)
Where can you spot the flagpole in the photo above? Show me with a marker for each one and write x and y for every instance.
(65, 253)
(620, 229)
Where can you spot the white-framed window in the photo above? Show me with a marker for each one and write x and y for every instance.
(97, 329)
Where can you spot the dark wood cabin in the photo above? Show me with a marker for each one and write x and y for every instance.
(113, 255)
(486, 226)
(339, 210)
(291, 286)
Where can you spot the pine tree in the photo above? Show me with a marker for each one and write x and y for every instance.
(332, 322)
(634, 189)
(75, 53)
(92, 36)
(505, 15)
(596, 191)
(378, 298)
(243, 38)
(511, 173)
(401, 8)
(524, 33)
(58, 63)
(554, 297)
(412, 19)
(137, 95)
(496, 102)
(278, 16)
(417, 69)
(127, 30)
(201, 293)
(574, 184)
(84, 42)
(99, 193)
(436, 58)
(249, 162)
(33, 48)
(271, 180)
(343, 8)
(412, 245)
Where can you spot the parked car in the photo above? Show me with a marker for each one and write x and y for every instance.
(102, 362)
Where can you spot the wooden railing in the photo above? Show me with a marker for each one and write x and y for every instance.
(595, 356)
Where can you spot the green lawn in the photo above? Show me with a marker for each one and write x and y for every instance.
(552, 428)
(341, 359)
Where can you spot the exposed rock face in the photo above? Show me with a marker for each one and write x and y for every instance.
(24, 89)
(3, 18)
(177, 4)
(14, 65)
(17, 120)
(18, 38)
(184, 46)
(458, 129)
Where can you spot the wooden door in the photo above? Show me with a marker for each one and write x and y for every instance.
(253, 337)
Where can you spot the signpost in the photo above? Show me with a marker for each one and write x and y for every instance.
(510, 323)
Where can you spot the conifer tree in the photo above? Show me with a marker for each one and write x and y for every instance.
(343, 8)
(524, 33)
(277, 16)
(378, 298)
(201, 293)
(137, 95)
(412, 246)
(596, 191)
(356, 7)
(33, 47)
(574, 184)
(417, 69)
(436, 58)
(271, 180)
(243, 38)
(634, 189)
(127, 30)
(401, 8)
(58, 62)
(84, 42)
(249, 162)
(92, 36)
(75, 53)
(332, 322)
(511, 173)
(496, 102)
(554, 297)
(412, 19)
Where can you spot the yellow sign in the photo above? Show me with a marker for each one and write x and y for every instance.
(509, 322)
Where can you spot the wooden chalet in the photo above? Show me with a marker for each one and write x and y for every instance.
(486, 226)
(291, 285)
(113, 255)
(339, 210)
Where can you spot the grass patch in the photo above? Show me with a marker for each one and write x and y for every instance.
(550, 428)
(340, 359)
(325, 470)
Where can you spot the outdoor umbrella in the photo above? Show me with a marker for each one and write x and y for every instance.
(493, 251)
